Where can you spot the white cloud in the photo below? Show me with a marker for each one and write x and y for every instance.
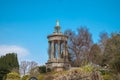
(21, 52)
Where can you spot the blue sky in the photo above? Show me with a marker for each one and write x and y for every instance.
(25, 24)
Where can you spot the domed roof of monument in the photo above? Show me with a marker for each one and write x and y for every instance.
(57, 31)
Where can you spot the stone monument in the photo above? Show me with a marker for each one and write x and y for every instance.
(57, 50)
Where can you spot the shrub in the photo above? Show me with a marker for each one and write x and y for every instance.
(26, 77)
(88, 68)
(13, 76)
(107, 77)
(41, 77)
(48, 70)
(42, 69)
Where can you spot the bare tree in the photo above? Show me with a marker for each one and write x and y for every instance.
(34, 71)
(79, 44)
(27, 66)
(33, 68)
(32, 65)
(103, 40)
(24, 67)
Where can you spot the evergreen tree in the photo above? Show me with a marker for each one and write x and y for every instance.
(112, 53)
(95, 54)
(7, 64)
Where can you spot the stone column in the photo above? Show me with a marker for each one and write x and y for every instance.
(52, 50)
(49, 50)
(66, 50)
(59, 50)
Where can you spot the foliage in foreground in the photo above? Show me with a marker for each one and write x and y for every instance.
(25, 77)
(87, 72)
(13, 76)
(42, 69)
(8, 63)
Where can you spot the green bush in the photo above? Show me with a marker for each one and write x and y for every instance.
(103, 71)
(13, 76)
(88, 68)
(26, 77)
(48, 70)
(107, 77)
(41, 77)
(42, 69)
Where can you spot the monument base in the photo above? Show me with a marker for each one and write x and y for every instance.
(58, 66)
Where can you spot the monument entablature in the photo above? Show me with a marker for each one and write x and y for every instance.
(56, 37)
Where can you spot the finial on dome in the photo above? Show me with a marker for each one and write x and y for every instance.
(57, 27)
(57, 22)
